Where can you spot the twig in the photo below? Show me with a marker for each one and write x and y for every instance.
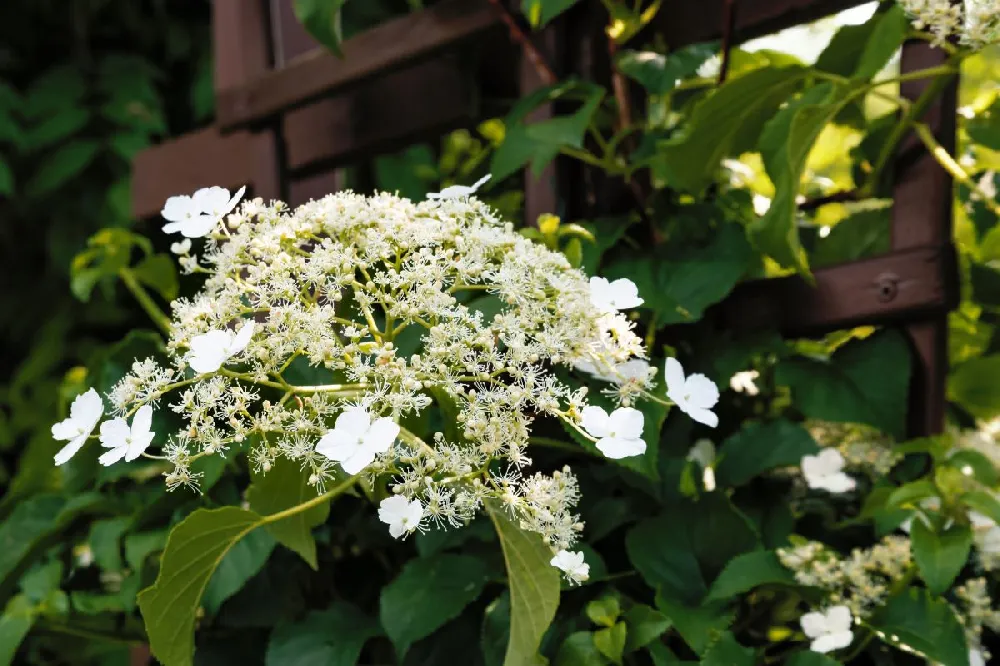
(517, 35)
(836, 197)
(729, 27)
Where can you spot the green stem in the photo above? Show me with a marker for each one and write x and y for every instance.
(316, 501)
(46, 625)
(949, 164)
(145, 300)
(550, 443)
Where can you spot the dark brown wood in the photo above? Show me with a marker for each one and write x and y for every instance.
(541, 191)
(371, 53)
(420, 102)
(199, 159)
(315, 187)
(904, 285)
(290, 37)
(922, 216)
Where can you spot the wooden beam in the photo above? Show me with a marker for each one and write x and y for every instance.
(371, 53)
(903, 285)
(422, 101)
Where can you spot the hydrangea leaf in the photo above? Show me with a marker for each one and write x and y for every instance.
(940, 556)
(759, 447)
(540, 12)
(333, 637)
(645, 624)
(429, 592)
(15, 623)
(659, 73)
(697, 624)
(865, 381)
(810, 658)
(284, 486)
(194, 549)
(243, 561)
(726, 651)
(579, 650)
(747, 571)
(925, 624)
(974, 386)
(534, 588)
(321, 19)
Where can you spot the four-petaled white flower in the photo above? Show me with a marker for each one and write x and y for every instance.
(621, 294)
(355, 439)
(694, 395)
(743, 382)
(181, 248)
(618, 435)
(703, 453)
(124, 441)
(830, 630)
(401, 515)
(825, 472)
(571, 564)
(84, 414)
(458, 191)
(196, 215)
(210, 350)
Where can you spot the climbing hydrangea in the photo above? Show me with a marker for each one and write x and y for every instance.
(320, 330)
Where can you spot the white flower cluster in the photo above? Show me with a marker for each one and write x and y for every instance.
(975, 23)
(388, 306)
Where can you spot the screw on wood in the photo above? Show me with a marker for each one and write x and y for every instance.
(888, 286)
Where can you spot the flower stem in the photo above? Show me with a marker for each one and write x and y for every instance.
(145, 300)
(316, 501)
(949, 164)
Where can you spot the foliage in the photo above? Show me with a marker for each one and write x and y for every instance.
(692, 559)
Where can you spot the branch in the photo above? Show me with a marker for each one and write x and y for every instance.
(518, 36)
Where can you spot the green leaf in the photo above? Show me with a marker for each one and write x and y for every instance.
(727, 124)
(540, 12)
(159, 272)
(983, 502)
(333, 637)
(427, 593)
(726, 651)
(760, 447)
(984, 129)
(61, 166)
(810, 658)
(194, 549)
(785, 145)
(865, 381)
(496, 630)
(56, 128)
(660, 73)
(243, 561)
(940, 556)
(697, 625)
(974, 386)
(887, 36)
(704, 536)
(15, 623)
(645, 624)
(105, 542)
(861, 234)
(321, 19)
(604, 610)
(680, 289)
(610, 642)
(534, 588)
(6, 179)
(747, 571)
(908, 494)
(284, 486)
(925, 624)
(579, 650)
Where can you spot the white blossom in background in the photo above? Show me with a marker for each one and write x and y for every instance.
(825, 471)
(86, 410)
(976, 657)
(744, 382)
(572, 564)
(975, 23)
(988, 546)
(356, 439)
(703, 453)
(456, 191)
(622, 294)
(830, 630)
(618, 435)
(181, 248)
(926, 504)
(197, 215)
(634, 370)
(401, 515)
(211, 350)
(127, 442)
(694, 395)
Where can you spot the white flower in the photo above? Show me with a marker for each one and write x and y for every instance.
(694, 395)
(703, 453)
(401, 515)
(126, 442)
(210, 350)
(988, 541)
(618, 435)
(181, 248)
(743, 382)
(976, 657)
(830, 631)
(197, 215)
(621, 294)
(631, 370)
(355, 440)
(825, 472)
(84, 414)
(572, 564)
(458, 191)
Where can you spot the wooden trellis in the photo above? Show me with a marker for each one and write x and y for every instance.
(289, 114)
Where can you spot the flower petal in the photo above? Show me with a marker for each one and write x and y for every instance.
(114, 455)
(702, 391)
(242, 338)
(211, 200)
(619, 447)
(114, 434)
(813, 624)
(831, 642)
(703, 416)
(354, 421)
(178, 209)
(838, 619)
(337, 445)
(626, 422)
(208, 351)
(70, 450)
(87, 408)
(626, 294)
(595, 421)
(361, 458)
(197, 227)
(830, 461)
(381, 435)
(673, 373)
